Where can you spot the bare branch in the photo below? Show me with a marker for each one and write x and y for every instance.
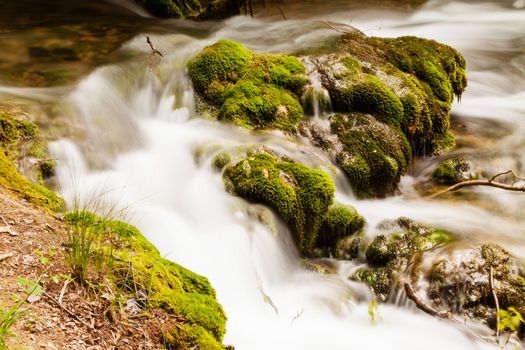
(495, 296)
(490, 183)
(154, 51)
(424, 307)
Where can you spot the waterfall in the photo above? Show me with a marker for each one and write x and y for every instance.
(147, 151)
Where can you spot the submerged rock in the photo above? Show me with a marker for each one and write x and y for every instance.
(302, 197)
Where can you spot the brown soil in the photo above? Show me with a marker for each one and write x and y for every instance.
(32, 235)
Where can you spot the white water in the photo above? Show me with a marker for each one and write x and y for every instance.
(160, 175)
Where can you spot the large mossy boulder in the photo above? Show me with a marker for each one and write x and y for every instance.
(302, 197)
(388, 256)
(255, 91)
(407, 82)
(138, 270)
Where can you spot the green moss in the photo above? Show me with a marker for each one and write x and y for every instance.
(12, 129)
(223, 62)
(251, 90)
(262, 106)
(424, 76)
(300, 195)
(138, 267)
(450, 172)
(340, 221)
(47, 168)
(36, 194)
(188, 336)
(368, 94)
(374, 155)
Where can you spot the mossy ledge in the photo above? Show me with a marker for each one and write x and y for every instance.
(13, 133)
(138, 269)
(255, 91)
(303, 197)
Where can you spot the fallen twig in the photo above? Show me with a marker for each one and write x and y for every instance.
(61, 296)
(5, 256)
(411, 294)
(50, 297)
(154, 52)
(496, 302)
(490, 182)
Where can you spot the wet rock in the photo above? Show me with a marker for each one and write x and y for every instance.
(452, 171)
(391, 253)
(460, 281)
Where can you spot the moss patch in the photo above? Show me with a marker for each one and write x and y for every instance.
(252, 90)
(450, 172)
(138, 269)
(374, 155)
(339, 222)
(13, 132)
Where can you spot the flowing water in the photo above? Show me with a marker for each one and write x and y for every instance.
(147, 153)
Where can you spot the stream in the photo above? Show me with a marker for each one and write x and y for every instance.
(145, 156)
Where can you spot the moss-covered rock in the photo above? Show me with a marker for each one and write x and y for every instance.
(252, 90)
(340, 221)
(373, 154)
(301, 196)
(451, 171)
(406, 82)
(138, 269)
(388, 255)
(13, 133)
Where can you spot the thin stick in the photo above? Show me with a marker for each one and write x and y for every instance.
(61, 296)
(50, 297)
(469, 183)
(411, 294)
(495, 296)
(154, 51)
(5, 256)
